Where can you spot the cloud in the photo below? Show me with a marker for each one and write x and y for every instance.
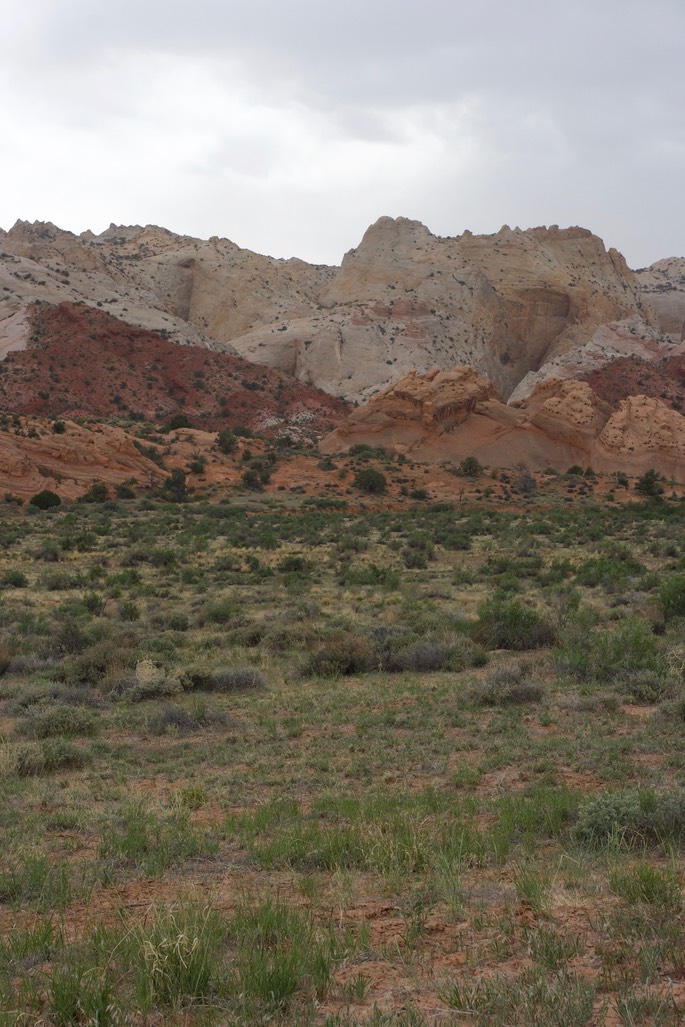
(290, 126)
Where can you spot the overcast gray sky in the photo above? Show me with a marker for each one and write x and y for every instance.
(290, 125)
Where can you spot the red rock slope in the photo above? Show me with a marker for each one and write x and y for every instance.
(81, 361)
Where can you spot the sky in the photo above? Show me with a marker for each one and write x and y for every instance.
(290, 126)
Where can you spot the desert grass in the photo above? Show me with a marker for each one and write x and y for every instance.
(316, 782)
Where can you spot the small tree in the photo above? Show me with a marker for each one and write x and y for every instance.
(649, 485)
(174, 487)
(97, 493)
(470, 467)
(45, 500)
(227, 441)
(177, 421)
(369, 479)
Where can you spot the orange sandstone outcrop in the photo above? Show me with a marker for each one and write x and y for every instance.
(446, 416)
(68, 463)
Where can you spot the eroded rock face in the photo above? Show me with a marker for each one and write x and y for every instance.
(644, 433)
(68, 463)
(519, 306)
(663, 287)
(447, 416)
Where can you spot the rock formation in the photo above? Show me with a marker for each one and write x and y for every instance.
(447, 416)
(33, 458)
(520, 306)
(663, 287)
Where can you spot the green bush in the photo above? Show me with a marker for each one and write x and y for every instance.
(175, 422)
(508, 684)
(66, 721)
(227, 441)
(370, 480)
(672, 595)
(610, 654)
(342, 653)
(97, 493)
(45, 500)
(470, 467)
(649, 485)
(509, 624)
(51, 755)
(238, 679)
(631, 819)
(14, 579)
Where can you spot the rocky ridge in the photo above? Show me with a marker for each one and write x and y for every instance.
(520, 306)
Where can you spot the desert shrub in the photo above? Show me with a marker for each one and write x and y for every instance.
(148, 681)
(125, 490)
(48, 553)
(509, 624)
(363, 451)
(595, 702)
(227, 441)
(69, 637)
(647, 686)
(175, 422)
(248, 636)
(14, 579)
(294, 564)
(370, 574)
(178, 622)
(60, 581)
(649, 485)
(129, 611)
(370, 480)
(101, 663)
(50, 756)
(223, 679)
(222, 611)
(97, 493)
(470, 467)
(172, 718)
(200, 679)
(48, 721)
(607, 572)
(286, 638)
(45, 500)
(5, 658)
(672, 595)
(609, 654)
(238, 679)
(508, 684)
(631, 818)
(342, 653)
(427, 656)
